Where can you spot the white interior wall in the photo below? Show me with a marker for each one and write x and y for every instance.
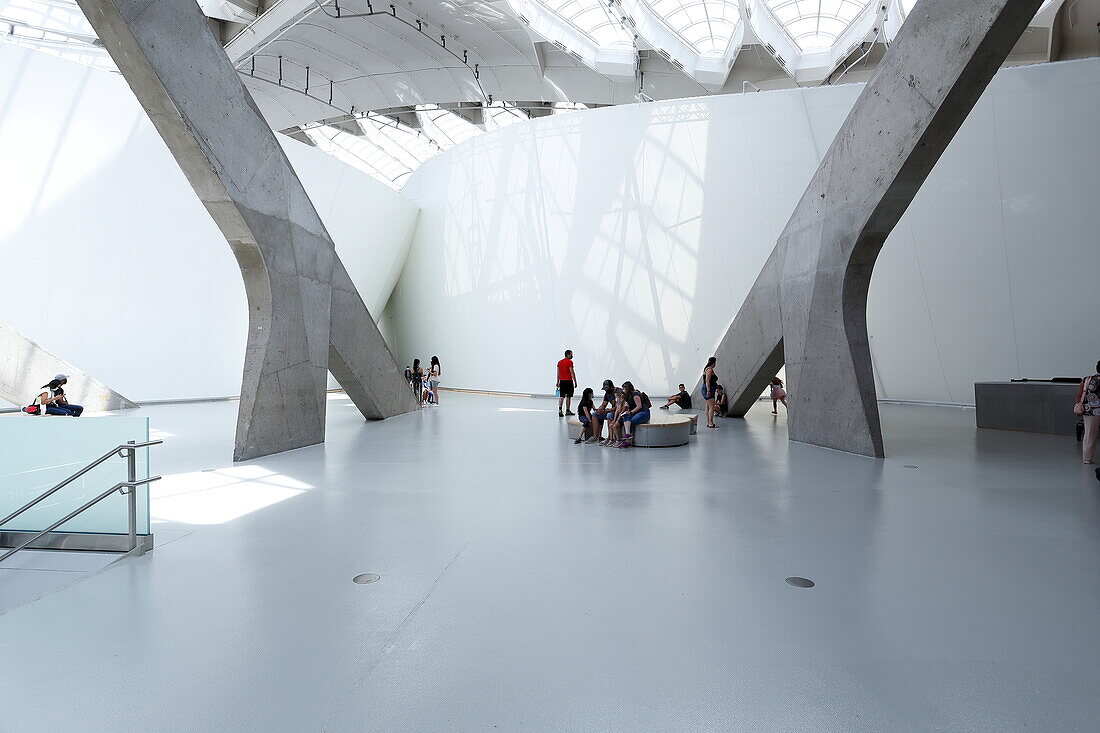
(111, 261)
(632, 234)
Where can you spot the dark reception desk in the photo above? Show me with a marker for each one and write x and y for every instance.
(1037, 407)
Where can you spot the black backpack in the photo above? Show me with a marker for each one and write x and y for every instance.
(646, 404)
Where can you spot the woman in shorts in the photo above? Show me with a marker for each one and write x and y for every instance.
(710, 389)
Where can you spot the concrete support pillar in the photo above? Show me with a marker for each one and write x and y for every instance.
(25, 367)
(807, 308)
(302, 305)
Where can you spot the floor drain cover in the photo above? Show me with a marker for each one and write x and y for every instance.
(366, 578)
(800, 582)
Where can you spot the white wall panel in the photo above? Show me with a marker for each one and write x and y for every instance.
(1049, 159)
(957, 226)
(110, 260)
(632, 234)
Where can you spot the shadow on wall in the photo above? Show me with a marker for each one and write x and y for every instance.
(632, 235)
(576, 233)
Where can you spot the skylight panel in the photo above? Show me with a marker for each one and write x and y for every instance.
(446, 128)
(592, 18)
(708, 26)
(385, 150)
(816, 24)
(501, 114)
(56, 27)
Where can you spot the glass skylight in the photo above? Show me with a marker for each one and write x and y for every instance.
(386, 151)
(594, 19)
(445, 128)
(816, 24)
(707, 26)
(389, 152)
(56, 27)
(499, 114)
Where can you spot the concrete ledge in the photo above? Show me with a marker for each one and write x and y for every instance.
(662, 431)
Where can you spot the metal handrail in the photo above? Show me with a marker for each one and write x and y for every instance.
(131, 485)
(124, 450)
(117, 450)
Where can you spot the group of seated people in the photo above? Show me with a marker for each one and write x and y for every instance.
(622, 410)
(52, 400)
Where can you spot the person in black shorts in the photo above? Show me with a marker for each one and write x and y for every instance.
(681, 398)
(566, 383)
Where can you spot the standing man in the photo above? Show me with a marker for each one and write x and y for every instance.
(567, 382)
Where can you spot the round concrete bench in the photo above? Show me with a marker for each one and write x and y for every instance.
(690, 415)
(662, 430)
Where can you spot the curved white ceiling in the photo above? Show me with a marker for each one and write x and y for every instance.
(391, 84)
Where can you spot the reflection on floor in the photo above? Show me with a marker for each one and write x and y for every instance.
(529, 583)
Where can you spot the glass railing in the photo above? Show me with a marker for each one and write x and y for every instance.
(37, 453)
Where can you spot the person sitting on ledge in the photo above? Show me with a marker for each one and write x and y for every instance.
(52, 400)
(721, 402)
(681, 398)
(584, 412)
(613, 424)
(635, 414)
(604, 412)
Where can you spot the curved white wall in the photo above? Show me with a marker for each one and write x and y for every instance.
(110, 260)
(632, 234)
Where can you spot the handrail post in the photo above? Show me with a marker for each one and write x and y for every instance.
(131, 495)
(127, 451)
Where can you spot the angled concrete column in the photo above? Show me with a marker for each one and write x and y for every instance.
(25, 367)
(298, 291)
(808, 307)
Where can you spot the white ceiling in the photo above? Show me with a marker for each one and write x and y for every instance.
(389, 85)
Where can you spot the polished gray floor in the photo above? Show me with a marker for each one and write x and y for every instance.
(28, 575)
(530, 584)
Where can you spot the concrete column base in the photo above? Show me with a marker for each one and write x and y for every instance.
(305, 315)
(808, 307)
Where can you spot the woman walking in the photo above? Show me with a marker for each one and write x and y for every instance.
(435, 375)
(778, 395)
(1088, 407)
(710, 389)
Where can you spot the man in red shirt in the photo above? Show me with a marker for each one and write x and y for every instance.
(567, 381)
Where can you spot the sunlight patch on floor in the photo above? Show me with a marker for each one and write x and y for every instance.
(220, 495)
